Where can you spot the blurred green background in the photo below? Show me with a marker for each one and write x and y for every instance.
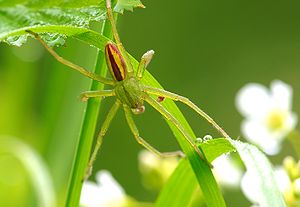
(205, 50)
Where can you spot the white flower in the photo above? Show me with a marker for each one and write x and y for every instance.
(105, 193)
(227, 172)
(268, 115)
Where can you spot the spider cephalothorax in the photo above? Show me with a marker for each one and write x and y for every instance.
(129, 91)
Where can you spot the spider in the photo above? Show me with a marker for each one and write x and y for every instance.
(130, 93)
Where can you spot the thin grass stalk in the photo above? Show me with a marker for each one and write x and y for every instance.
(88, 130)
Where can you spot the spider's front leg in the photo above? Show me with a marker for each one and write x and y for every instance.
(166, 94)
(70, 64)
(140, 140)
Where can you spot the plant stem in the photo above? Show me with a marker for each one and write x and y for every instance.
(87, 130)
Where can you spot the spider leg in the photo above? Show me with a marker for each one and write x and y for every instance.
(140, 140)
(177, 124)
(176, 97)
(84, 96)
(112, 112)
(145, 60)
(70, 64)
(113, 24)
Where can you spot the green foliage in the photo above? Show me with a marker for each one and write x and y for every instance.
(178, 193)
(215, 147)
(127, 5)
(17, 16)
(57, 20)
(14, 19)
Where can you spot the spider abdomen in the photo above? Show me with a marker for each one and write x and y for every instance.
(115, 62)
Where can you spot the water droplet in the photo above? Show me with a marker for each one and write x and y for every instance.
(17, 40)
(54, 39)
(199, 140)
(207, 138)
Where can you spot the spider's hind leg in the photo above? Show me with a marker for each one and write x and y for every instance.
(143, 142)
(168, 116)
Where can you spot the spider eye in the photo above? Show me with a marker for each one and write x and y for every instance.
(115, 62)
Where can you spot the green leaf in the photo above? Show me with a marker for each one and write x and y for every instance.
(127, 5)
(18, 15)
(66, 31)
(215, 147)
(260, 171)
(29, 14)
(177, 193)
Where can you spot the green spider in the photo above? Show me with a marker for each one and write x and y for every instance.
(130, 93)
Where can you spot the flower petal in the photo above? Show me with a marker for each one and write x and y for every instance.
(109, 185)
(257, 132)
(106, 192)
(281, 95)
(291, 122)
(90, 195)
(253, 100)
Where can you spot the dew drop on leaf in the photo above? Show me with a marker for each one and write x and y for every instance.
(16, 40)
(199, 140)
(207, 138)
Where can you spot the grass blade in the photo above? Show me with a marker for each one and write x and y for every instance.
(205, 178)
(175, 192)
(87, 131)
(178, 193)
